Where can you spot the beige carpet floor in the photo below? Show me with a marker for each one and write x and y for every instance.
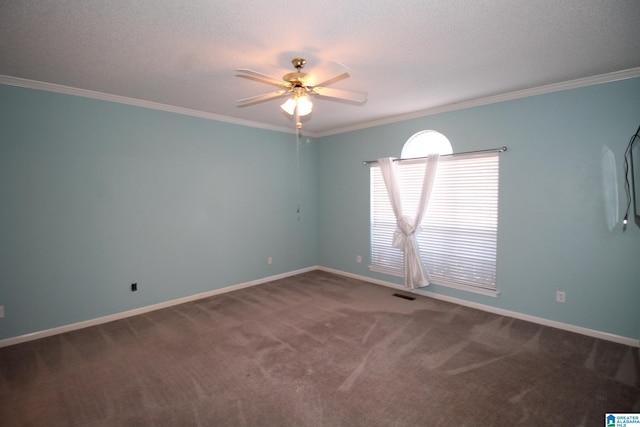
(317, 349)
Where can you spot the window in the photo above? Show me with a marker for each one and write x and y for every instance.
(425, 142)
(458, 240)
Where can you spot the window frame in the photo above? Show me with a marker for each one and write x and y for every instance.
(469, 230)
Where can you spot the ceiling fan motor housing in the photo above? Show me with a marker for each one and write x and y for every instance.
(295, 79)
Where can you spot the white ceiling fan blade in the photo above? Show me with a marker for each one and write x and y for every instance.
(318, 73)
(341, 94)
(261, 98)
(332, 80)
(259, 77)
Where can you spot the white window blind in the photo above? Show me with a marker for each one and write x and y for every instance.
(458, 240)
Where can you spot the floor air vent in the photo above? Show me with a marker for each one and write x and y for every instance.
(404, 297)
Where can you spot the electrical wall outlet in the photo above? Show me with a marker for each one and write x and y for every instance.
(560, 296)
(269, 260)
(134, 287)
(1, 311)
(359, 259)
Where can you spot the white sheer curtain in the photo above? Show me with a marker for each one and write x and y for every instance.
(404, 238)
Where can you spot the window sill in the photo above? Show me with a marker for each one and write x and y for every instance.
(440, 282)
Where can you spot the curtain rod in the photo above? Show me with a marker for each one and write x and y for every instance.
(490, 150)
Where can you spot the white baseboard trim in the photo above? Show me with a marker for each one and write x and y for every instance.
(502, 312)
(124, 314)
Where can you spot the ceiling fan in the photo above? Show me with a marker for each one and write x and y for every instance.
(298, 86)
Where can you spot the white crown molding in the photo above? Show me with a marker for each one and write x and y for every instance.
(632, 342)
(510, 96)
(68, 90)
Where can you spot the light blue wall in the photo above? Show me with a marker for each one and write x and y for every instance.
(553, 227)
(95, 196)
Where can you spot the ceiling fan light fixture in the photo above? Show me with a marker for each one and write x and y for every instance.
(299, 85)
(305, 106)
(302, 102)
(289, 106)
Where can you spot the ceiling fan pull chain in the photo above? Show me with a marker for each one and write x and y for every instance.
(298, 168)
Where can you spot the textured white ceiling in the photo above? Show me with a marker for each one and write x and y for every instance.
(409, 55)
